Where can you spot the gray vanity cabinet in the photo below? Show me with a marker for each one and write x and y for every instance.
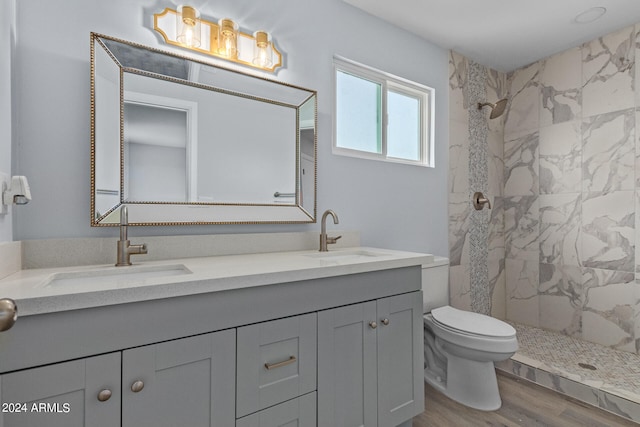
(340, 351)
(370, 361)
(347, 371)
(184, 382)
(400, 359)
(84, 392)
(276, 362)
(299, 412)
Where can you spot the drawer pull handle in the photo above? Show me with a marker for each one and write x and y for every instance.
(289, 361)
(385, 321)
(373, 325)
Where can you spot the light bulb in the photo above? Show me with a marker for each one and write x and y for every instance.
(228, 38)
(188, 36)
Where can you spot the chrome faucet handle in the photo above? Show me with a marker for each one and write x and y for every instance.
(479, 200)
(331, 240)
(138, 249)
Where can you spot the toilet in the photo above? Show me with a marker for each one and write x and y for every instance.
(460, 347)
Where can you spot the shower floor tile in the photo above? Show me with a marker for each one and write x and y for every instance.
(589, 372)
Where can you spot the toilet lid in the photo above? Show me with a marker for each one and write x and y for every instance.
(473, 323)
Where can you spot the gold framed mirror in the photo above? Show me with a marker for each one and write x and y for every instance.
(180, 141)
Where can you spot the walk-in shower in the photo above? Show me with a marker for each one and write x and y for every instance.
(496, 109)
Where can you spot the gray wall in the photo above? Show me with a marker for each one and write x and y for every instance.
(393, 205)
(6, 32)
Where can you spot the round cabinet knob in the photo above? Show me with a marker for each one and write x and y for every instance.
(385, 321)
(373, 325)
(8, 313)
(137, 386)
(104, 395)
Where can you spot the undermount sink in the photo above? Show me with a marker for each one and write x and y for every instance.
(346, 255)
(115, 275)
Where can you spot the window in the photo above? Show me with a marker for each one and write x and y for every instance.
(380, 116)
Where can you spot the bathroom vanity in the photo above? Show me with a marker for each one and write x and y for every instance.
(304, 337)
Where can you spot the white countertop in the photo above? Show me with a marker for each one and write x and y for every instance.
(34, 294)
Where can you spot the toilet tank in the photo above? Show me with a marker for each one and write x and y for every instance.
(435, 284)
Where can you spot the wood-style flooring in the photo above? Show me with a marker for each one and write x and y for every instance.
(523, 404)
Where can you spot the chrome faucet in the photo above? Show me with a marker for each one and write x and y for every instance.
(125, 248)
(324, 240)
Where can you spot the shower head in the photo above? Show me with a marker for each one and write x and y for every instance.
(496, 109)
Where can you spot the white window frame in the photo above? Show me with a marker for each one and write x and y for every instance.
(388, 82)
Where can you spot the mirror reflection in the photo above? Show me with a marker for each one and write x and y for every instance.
(183, 142)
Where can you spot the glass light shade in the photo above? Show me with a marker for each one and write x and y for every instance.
(228, 38)
(188, 26)
(262, 50)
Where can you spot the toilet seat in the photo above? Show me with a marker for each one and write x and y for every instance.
(471, 341)
(469, 323)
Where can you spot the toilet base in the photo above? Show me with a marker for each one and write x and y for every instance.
(469, 382)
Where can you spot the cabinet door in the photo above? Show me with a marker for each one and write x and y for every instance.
(400, 359)
(276, 362)
(63, 395)
(185, 382)
(299, 412)
(347, 371)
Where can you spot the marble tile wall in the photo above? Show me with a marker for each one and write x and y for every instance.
(459, 206)
(571, 192)
(563, 173)
(476, 238)
(562, 168)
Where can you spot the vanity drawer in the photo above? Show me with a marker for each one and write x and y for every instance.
(300, 412)
(276, 362)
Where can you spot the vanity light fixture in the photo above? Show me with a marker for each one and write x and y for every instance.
(262, 52)
(188, 26)
(185, 28)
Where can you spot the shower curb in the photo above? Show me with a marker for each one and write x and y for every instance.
(585, 393)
